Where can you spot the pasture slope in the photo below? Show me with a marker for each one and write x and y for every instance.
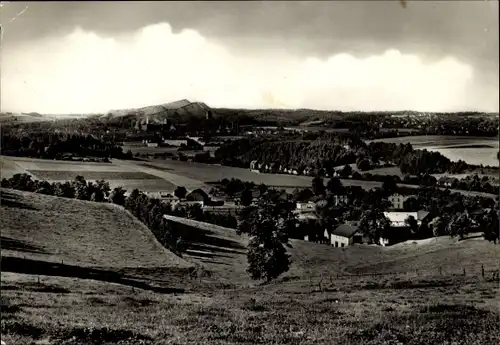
(53, 305)
(60, 234)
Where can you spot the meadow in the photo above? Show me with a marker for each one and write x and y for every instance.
(110, 282)
(159, 175)
(53, 171)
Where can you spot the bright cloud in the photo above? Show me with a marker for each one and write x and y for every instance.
(84, 72)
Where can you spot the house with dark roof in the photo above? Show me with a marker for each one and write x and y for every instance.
(345, 235)
(198, 195)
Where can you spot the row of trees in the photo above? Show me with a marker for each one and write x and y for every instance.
(323, 155)
(56, 145)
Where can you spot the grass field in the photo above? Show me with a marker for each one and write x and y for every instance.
(81, 233)
(57, 306)
(164, 175)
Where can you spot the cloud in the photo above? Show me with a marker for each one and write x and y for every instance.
(85, 72)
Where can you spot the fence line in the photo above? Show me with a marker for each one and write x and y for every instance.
(481, 271)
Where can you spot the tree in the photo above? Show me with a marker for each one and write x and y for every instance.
(81, 188)
(363, 164)
(268, 224)
(65, 190)
(246, 197)
(411, 204)
(262, 188)
(490, 225)
(389, 185)
(117, 196)
(302, 194)
(375, 225)
(44, 187)
(346, 171)
(412, 223)
(195, 212)
(180, 192)
(459, 225)
(334, 186)
(318, 186)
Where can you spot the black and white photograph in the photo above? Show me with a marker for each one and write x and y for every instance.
(250, 172)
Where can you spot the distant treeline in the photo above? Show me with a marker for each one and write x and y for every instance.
(322, 155)
(464, 124)
(57, 145)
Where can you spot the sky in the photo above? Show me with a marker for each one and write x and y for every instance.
(91, 57)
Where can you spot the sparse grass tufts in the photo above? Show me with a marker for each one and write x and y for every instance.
(79, 335)
(253, 305)
(21, 328)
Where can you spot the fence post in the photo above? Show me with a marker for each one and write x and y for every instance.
(482, 270)
(464, 271)
(38, 280)
(417, 272)
(440, 271)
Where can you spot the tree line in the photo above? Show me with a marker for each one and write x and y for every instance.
(57, 145)
(323, 155)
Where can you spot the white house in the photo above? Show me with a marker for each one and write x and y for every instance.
(306, 206)
(345, 235)
(340, 199)
(397, 201)
(397, 220)
(307, 216)
(152, 144)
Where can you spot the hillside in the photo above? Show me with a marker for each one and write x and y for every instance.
(157, 113)
(47, 230)
(223, 251)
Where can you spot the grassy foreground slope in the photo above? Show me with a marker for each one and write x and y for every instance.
(366, 311)
(80, 233)
(222, 251)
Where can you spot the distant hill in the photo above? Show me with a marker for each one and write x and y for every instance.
(8, 117)
(173, 111)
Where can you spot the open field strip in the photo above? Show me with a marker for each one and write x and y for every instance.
(60, 171)
(176, 179)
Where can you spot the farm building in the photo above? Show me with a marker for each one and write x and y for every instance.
(340, 199)
(164, 195)
(397, 219)
(397, 201)
(306, 206)
(345, 235)
(399, 226)
(198, 195)
(175, 142)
